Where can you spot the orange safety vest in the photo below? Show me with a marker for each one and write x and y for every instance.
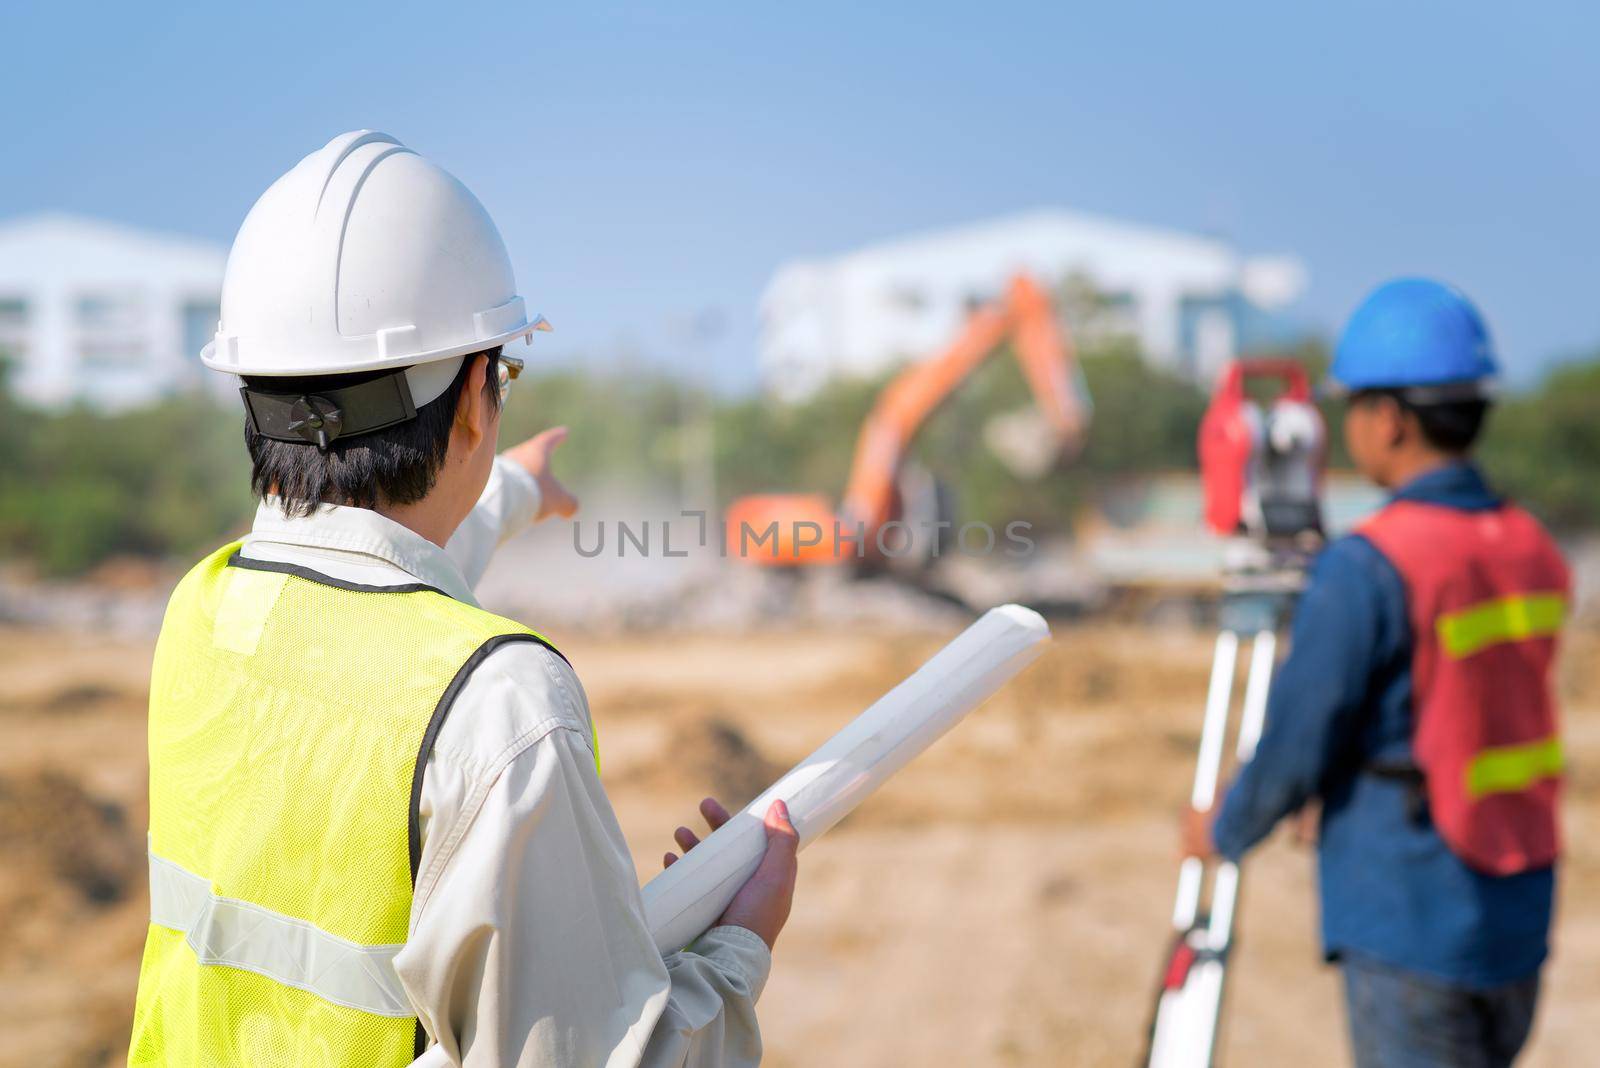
(1486, 593)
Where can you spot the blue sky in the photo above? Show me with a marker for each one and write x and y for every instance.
(645, 162)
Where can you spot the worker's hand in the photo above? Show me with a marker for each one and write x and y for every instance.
(762, 904)
(534, 457)
(1194, 832)
(715, 816)
(1306, 824)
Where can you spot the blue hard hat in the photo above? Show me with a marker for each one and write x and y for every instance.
(1414, 332)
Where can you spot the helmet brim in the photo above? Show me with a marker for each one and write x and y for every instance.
(526, 329)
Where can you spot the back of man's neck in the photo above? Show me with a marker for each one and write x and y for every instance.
(421, 519)
(1412, 468)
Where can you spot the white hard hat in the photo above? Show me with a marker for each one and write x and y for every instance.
(363, 257)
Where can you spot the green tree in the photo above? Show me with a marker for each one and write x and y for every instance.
(170, 480)
(1544, 447)
(79, 486)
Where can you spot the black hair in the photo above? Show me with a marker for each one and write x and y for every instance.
(1448, 426)
(395, 465)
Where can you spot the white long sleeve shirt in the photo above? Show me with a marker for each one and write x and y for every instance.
(527, 943)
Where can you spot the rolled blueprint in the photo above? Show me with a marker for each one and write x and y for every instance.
(685, 900)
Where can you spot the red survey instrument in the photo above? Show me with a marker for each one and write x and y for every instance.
(1261, 463)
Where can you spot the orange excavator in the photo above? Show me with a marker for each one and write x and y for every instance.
(798, 530)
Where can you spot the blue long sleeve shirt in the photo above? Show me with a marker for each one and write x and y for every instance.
(1392, 891)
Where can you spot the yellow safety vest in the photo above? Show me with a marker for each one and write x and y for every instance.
(291, 716)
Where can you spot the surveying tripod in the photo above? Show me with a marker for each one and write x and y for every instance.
(1258, 598)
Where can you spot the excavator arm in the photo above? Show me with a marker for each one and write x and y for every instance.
(788, 530)
(1045, 352)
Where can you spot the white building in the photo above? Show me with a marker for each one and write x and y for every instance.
(1190, 301)
(104, 313)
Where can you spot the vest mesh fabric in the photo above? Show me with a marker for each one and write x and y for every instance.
(286, 720)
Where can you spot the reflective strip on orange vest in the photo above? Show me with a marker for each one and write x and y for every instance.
(1504, 619)
(1507, 769)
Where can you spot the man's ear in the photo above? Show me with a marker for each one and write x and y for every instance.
(1394, 421)
(472, 406)
(1407, 427)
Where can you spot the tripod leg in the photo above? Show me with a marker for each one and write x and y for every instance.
(1172, 1029)
(1225, 886)
(1263, 657)
(1208, 767)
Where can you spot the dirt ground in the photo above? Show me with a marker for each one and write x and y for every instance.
(1003, 902)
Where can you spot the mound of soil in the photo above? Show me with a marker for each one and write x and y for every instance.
(60, 840)
(715, 751)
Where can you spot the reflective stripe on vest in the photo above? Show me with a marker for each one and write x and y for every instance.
(238, 934)
(1507, 769)
(1505, 619)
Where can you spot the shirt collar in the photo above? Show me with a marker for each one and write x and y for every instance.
(362, 532)
(1455, 485)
